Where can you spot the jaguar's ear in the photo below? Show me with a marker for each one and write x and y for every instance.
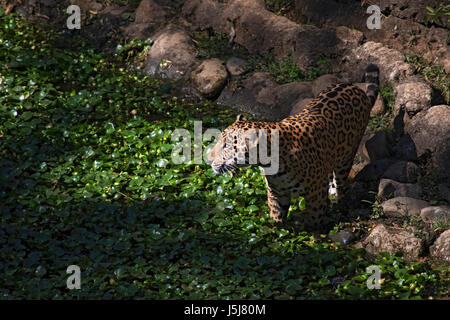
(240, 117)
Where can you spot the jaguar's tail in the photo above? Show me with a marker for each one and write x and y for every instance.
(371, 76)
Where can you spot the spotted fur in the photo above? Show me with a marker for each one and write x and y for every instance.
(315, 146)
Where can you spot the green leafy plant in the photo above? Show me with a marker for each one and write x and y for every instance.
(286, 70)
(441, 225)
(132, 3)
(383, 121)
(433, 73)
(377, 209)
(388, 96)
(438, 14)
(212, 45)
(279, 6)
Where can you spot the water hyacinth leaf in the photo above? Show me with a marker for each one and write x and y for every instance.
(162, 163)
(109, 128)
(220, 222)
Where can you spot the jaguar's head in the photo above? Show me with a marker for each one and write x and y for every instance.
(231, 150)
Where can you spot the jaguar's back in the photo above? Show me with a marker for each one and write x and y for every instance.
(333, 124)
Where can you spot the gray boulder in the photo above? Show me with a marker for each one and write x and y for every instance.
(392, 63)
(236, 66)
(343, 237)
(430, 132)
(251, 25)
(148, 17)
(203, 14)
(413, 94)
(441, 247)
(378, 108)
(261, 95)
(391, 188)
(392, 240)
(444, 190)
(403, 171)
(403, 206)
(172, 54)
(149, 11)
(377, 146)
(374, 170)
(405, 149)
(358, 195)
(300, 105)
(348, 39)
(209, 77)
(323, 83)
(435, 214)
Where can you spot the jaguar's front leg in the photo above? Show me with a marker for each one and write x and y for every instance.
(278, 204)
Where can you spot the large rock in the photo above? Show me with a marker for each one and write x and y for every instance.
(410, 10)
(289, 93)
(98, 30)
(403, 206)
(332, 12)
(378, 108)
(343, 237)
(323, 83)
(444, 190)
(392, 240)
(430, 132)
(236, 66)
(413, 94)
(390, 188)
(261, 95)
(402, 24)
(85, 5)
(260, 31)
(392, 63)
(405, 149)
(204, 14)
(148, 17)
(320, 84)
(377, 146)
(149, 11)
(409, 36)
(402, 171)
(348, 39)
(209, 77)
(354, 13)
(441, 247)
(263, 32)
(435, 214)
(172, 54)
(356, 168)
(300, 105)
(374, 170)
(445, 61)
(358, 195)
(400, 122)
(362, 155)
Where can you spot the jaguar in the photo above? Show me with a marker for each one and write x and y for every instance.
(315, 146)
